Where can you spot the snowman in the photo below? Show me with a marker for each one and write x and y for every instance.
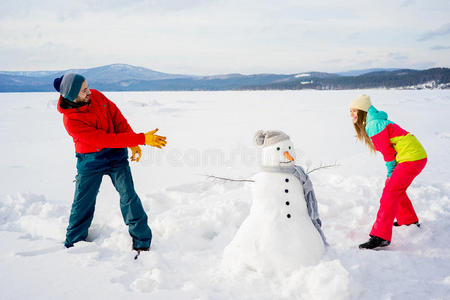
(282, 232)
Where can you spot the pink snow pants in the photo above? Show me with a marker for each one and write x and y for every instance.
(394, 203)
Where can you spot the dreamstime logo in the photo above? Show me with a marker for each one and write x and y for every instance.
(205, 158)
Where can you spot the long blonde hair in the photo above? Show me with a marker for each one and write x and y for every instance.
(360, 128)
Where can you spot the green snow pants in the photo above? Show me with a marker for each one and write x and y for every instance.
(82, 213)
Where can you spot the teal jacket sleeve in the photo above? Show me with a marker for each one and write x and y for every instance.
(390, 165)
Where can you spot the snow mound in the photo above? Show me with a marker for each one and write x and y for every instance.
(193, 219)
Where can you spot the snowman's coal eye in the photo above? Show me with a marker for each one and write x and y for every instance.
(278, 148)
(289, 147)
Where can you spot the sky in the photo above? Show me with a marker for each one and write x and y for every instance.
(205, 37)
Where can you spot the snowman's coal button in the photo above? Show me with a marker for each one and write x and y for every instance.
(287, 180)
(288, 215)
(287, 202)
(286, 191)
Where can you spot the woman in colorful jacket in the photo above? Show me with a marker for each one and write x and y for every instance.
(405, 158)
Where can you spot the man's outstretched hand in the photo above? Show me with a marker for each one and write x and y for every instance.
(155, 140)
(136, 150)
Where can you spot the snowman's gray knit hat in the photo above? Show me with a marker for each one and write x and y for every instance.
(270, 137)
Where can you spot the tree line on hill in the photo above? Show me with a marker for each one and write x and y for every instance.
(436, 77)
(129, 78)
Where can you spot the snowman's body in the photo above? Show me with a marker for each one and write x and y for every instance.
(278, 234)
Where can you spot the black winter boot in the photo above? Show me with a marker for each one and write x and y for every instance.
(416, 223)
(374, 242)
(139, 250)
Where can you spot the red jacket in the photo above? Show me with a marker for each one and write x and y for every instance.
(98, 125)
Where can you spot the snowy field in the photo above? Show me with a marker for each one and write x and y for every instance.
(194, 217)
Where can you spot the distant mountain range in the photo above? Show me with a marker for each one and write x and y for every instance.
(121, 77)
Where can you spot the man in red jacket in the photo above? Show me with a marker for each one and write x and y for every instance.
(101, 135)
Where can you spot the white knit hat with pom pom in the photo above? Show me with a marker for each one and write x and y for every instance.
(270, 137)
(362, 103)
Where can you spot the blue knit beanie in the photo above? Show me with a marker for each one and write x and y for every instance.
(69, 85)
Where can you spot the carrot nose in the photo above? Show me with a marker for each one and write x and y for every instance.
(288, 156)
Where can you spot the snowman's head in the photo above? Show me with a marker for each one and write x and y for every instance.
(278, 150)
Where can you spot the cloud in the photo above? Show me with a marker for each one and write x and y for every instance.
(443, 30)
(408, 3)
(332, 61)
(423, 65)
(440, 48)
(66, 10)
(216, 36)
(397, 56)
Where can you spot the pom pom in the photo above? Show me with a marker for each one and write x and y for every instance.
(57, 83)
(259, 138)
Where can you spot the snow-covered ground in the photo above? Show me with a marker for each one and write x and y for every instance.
(194, 217)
